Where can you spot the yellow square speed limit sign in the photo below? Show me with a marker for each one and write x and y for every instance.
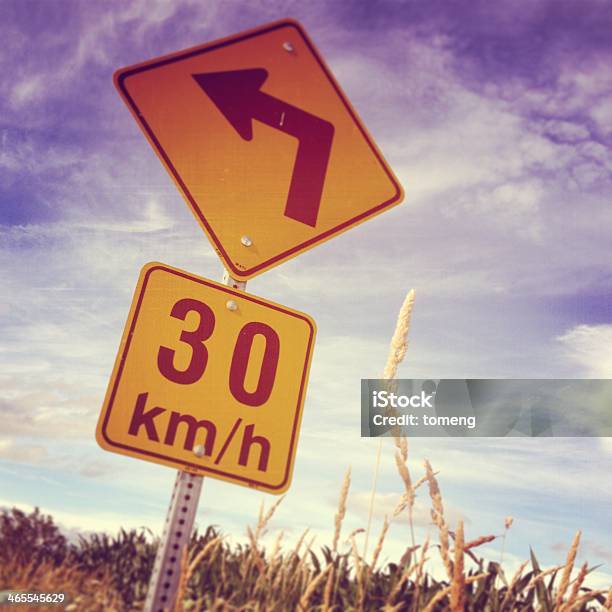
(209, 379)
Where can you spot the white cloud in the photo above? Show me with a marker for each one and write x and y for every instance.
(565, 130)
(602, 113)
(606, 445)
(28, 89)
(590, 348)
(155, 218)
(11, 451)
(514, 205)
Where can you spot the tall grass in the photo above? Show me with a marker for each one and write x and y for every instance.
(396, 354)
(218, 576)
(104, 573)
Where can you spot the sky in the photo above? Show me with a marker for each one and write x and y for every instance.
(497, 119)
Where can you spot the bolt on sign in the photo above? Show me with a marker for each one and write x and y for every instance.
(262, 143)
(204, 366)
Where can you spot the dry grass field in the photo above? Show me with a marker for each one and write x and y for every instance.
(104, 573)
(111, 573)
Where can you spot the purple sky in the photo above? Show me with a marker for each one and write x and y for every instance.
(497, 118)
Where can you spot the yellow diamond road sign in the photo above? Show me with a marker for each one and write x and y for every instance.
(209, 379)
(262, 143)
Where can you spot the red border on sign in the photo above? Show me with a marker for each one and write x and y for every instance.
(122, 74)
(199, 468)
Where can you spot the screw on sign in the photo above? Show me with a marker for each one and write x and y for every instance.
(261, 141)
(204, 366)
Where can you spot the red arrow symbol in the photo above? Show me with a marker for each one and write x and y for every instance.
(237, 95)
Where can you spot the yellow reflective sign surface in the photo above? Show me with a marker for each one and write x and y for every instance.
(261, 141)
(209, 379)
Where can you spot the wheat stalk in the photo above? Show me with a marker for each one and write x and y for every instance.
(209, 545)
(183, 580)
(254, 535)
(338, 518)
(515, 579)
(275, 558)
(397, 352)
(399, 340)
(296, 550)
(507, 524)
(341, 508)
(398, 586)
(379, 544)
(277, 544)
(265, 519)
(255, 554)
(358, 573)
(442, 593)
(353, 533)
(310, 589)
(410, 496)
(372, 497)
(327, 593)
(479, 542)
(402, 468)
(608, 603)
(457, 596)
(573, 596)
(403, 502)
(437, 515)
(308, 548)
(419, 574)
(567, 570)
(577, 605)
(541, 576)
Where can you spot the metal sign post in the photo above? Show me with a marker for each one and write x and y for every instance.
(177, 531)
(163, 584)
